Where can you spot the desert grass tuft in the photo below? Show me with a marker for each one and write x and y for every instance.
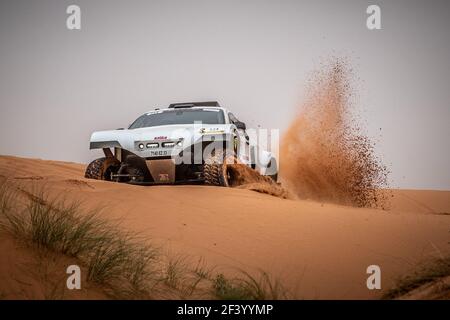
(112, 257)
(127, 266)
(248, 287)
(427, 273)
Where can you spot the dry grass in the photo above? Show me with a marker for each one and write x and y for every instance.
(119, 260)
(426, 274)
(248, 287)
(127, 266)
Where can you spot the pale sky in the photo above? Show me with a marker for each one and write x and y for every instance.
(57, 86)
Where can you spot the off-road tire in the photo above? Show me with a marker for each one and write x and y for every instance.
(215, 169)
(100, 169)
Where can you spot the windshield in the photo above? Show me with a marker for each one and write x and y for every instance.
(184, 116)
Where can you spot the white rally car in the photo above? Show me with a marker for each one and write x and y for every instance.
(192, 142)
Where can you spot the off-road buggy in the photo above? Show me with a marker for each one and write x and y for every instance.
(194, 142)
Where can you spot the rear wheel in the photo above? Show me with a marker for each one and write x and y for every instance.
(102, 168)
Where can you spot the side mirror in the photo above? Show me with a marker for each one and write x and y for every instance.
(240, 125)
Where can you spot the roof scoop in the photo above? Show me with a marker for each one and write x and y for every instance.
(194, 104)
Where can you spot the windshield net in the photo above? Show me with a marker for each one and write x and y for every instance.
(168, 117)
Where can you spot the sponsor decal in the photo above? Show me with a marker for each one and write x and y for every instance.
(211, 130)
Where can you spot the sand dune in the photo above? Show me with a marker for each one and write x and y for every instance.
(318, 250)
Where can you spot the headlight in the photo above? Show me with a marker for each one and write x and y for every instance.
(153, 145)
(168, 144)
(141, 146)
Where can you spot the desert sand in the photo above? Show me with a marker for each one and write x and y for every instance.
(317, 250)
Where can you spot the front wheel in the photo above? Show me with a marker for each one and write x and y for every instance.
(216, 171)
(102, 168)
